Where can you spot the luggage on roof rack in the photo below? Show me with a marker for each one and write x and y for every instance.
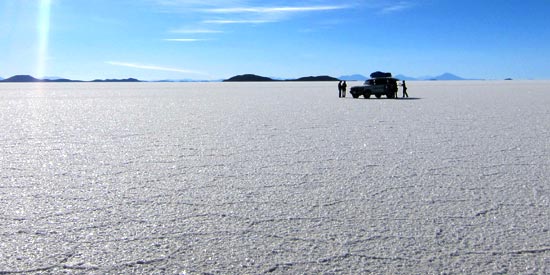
(380, 74)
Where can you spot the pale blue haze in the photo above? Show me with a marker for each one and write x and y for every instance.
(178, 39)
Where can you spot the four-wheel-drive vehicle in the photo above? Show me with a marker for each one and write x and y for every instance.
(378, 85)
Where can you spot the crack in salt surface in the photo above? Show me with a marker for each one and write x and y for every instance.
(328, 260)
(506, 252)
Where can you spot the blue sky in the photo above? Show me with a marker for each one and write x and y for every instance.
(199, 39)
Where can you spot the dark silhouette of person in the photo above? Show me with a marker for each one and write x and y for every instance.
(344, 86)
(404, 89)
(392, 85)
(340, 88)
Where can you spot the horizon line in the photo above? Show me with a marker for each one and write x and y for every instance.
(407, 78)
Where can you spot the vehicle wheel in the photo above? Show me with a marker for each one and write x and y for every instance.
(355, 95)
(390, 95)
(366, 95)
(378, 95)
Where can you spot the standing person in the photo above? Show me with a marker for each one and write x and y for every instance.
(404, 89)
(340, 89)
(344, 86)
(393, 88)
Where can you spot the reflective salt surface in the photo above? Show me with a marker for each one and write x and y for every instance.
(283, 178)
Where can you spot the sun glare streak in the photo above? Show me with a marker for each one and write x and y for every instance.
(43, 36)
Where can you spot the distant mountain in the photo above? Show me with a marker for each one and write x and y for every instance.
(185, 80)
(316, 78)
(21, 78)
(62, 80)
(353, 77)
(448, 76)
(253, 77)
(53, 78)
(248, 78)
(58, 79)
(117, 80)
(238, 78)
(28, 78)
(445, 76)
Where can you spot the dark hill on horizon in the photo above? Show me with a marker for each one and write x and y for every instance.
(117, 80)
(257, 78)
(316, 78)
(21, 78)
(28, 78)
(248, 78)
(240, 78)
(353, 77)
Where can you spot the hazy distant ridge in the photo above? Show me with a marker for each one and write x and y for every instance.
(28, 78)
(238, 78)
(445, 76)
(353, 77)
(253, 77)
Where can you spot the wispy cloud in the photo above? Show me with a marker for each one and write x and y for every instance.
(274, 9)
(152, 67)
(397, 7)
(203, 17)
(196, 3)
(260, 15)
(185, 39)
(259, 21)
(196, 31)
(243, 11)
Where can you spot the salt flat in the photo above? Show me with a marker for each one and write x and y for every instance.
(282, 178)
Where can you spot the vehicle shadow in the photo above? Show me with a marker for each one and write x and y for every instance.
(383, 98)
(408, 98)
